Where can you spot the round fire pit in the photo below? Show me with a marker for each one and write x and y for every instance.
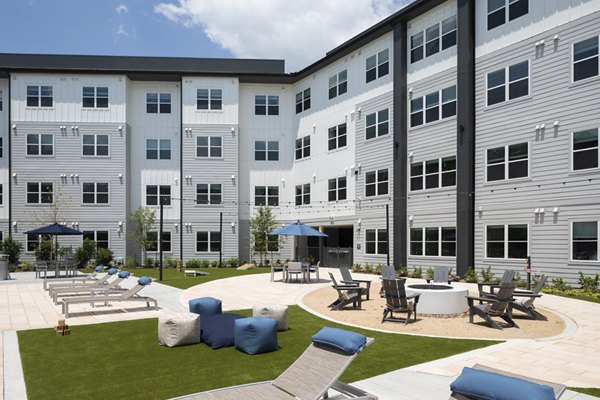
(439, 299)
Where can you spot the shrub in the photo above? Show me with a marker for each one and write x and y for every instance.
(214, 263)
(85, 252)
(589, 283)
(130, 262)
(193, 263)
(517, 279)
(149, 262)
(26, 266)
(13, 249)
(169, 262)
(417, 273)
(487, 275)
(560, 284)
(368, 269)
(430, 273)
(378, 269)
(356, 268)
(44, 250)
(205, 263)
(471, 275)
(403, 271)
(234, 262)
(104, 256)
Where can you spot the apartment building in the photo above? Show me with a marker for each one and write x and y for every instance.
(473, 124)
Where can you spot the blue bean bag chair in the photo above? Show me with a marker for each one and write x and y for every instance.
(255, 335)
(205, 306)
(218, 330)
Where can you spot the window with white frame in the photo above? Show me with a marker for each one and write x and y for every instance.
(1, 147)
(508, 83)
(448, 102)
(585, 149)
(94, 145)
(158, 149)
(506, 241)
(432, 40)
(336, 137)
(302, 100)
(500, 12)
(433, 174)
(39, 96)
(1, 101)
(33, 241)
(266, 195)
(209, 146)
(336, 189)
(208, 242)
(95, 97)
(507, 162)
(153, 241)
(303, 147)
(158, 103)
(156, 192)
(448, 32)
(377, 124)
(584, 240)
(95, 192)
(1, 194)
(338, 84)
(266, 105)
(376, 241)
(436, 38)
(39, 192)
(272, 243)
(303, 194)
(40, 144)
(100, 237)
(209, 99)
(433, 241)
(266, 150)
(585, 59)
(416, 47)
(378, 65)
(209, 193)
(376, 183)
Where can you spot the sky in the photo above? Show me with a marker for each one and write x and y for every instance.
(298, 31)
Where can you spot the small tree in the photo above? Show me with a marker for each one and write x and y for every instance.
(260, 225)
(143, 219)
(85, 252)
(13, 249)
(43, 251)
(104, 256)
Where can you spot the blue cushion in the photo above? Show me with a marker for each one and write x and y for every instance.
(255, 335)
(112, 271)
(144, 280)
(205, 306)
(124, 274)
(490, 386)
(217, 330)
(99, 268)
(340, 339)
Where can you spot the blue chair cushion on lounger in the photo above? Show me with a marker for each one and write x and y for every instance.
(218, 330)
(255, 335)
(205, 306)
(112, 271)
(490, 386)
(99, 268)
(124, 274)
(343, 340)
(144, 280)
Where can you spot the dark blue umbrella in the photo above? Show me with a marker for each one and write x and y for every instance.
(297, 229)
(54, 229)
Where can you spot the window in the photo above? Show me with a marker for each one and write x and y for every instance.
(433, 241)
(95, 145)
(153, 239)
(517, 76)
(585, 59)
(1, 101)
(266, 105)
(338, 84)
(428, 41)
(376, 241)
(497, 14)
(209, 146)
(266, 150)
(154, 192)
(208, 242)
(39, 96)
(434, 176)
(1, 194)
(432, 40)
(100, 237)
(337, 137)
(1, 148)
(40, 144)
(272, 243)
(95, 97)
(506, 241)
(516, 166)
(209, 99)
(209, 193)
(416, 47)
(39, 192)
(303, 100)
(449, 32)
(158, 149)
(95, 192)
(303, 147)
(303, 194)
(378, 65)
(337, 189)
(266, 195)
(33, 242)
(585, 149)
(584, 245)
(376, 183)
(432, 106)
(377, 124)
(158, 103)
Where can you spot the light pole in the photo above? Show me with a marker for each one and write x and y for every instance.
(160, 240)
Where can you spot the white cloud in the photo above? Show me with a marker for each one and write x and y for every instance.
(121, 8)
(299, 31)
(121, 32)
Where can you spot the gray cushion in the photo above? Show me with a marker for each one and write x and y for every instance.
(276, 312)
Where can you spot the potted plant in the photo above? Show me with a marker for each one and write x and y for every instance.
(429, 274)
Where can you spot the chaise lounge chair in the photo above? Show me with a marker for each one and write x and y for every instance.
(348, 280)
(497, 306)
(397, 301)
(97, 282)
(309, 378)
(347, 294)
(112, 287)
(73, 280)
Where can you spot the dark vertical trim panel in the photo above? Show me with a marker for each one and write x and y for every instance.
(400, 145)
(465, 143)
(181, 203)
(9, 152)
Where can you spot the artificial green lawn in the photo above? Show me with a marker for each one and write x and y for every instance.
(589, 391)
(124, 360)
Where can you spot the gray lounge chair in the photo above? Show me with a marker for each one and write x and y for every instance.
(497, 306)
(508, 276)
(82, 284)
(347, 294)
(72, 280)
(526, 306)
(348, 280)
(111, 287)
(440, 274)
(310, 377)
(396, 301)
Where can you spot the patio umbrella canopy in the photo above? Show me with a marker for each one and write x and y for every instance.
(297, 229)
(54, 229)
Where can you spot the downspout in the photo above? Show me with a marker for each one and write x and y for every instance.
(9, 151)
(181, 169)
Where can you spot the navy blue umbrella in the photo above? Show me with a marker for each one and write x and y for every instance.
(54, 229)
(297, 229)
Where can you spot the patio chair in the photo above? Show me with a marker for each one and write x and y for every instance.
(497, 306)
(74, 280)
(526, 306)
(310, 377)
(397, 301)
(507, 277)
(387, 272)
(347, 294)
(315, 269)
(41, 266)
(128, 295)
(294, 268)
(348, 280)
(111, 287)
(440, 274)
(82, 284)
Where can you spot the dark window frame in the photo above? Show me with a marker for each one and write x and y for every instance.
(210, 148)
(209, 99)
